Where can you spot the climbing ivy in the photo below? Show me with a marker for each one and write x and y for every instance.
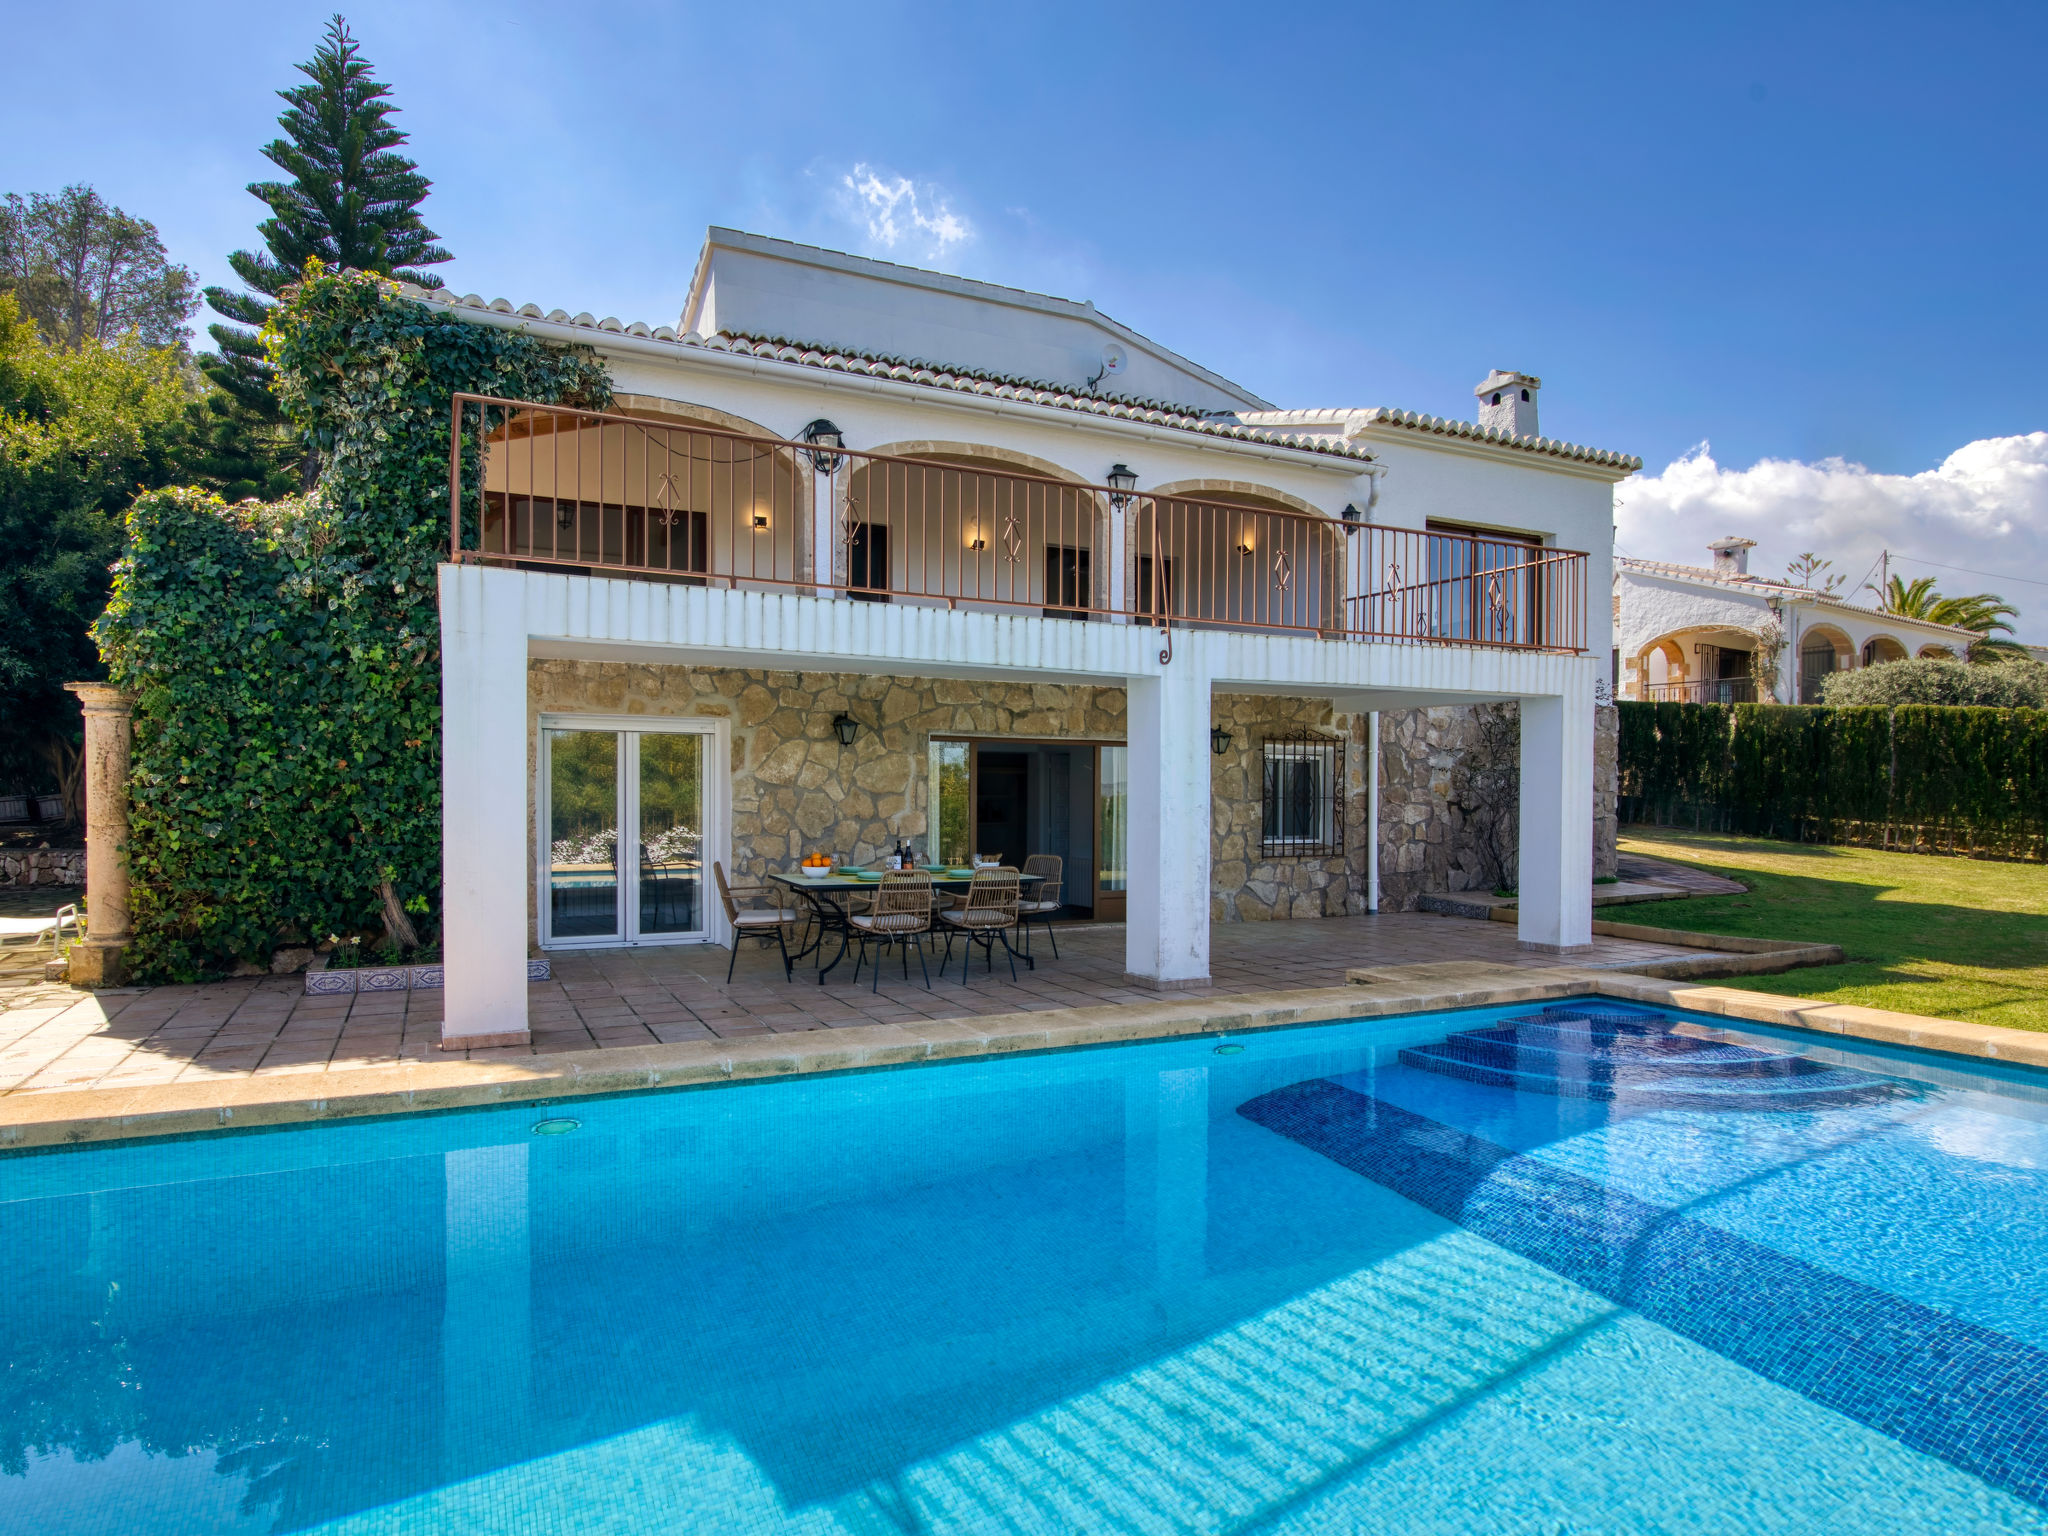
(1930, 777)
(285, 657)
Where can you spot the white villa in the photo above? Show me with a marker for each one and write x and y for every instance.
(865, 555)
(1686, 633)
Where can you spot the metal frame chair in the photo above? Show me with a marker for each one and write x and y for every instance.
(901, 914)
(1046, 901)
(988, 912)
(761, 923)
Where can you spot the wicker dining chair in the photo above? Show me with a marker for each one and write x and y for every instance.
(987, 913)
(901, 915)
(765, 924)
(1046, 900)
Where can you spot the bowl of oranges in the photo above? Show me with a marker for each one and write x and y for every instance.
(816, 866)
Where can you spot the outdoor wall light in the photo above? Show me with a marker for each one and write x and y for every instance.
(760, 520)
(1219, 740)
(845, 727)
(825, 439)
(1352, 516)
(974, 539)
(1244, 544)
(1122, 481)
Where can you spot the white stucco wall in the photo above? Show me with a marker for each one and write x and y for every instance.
(751, 285)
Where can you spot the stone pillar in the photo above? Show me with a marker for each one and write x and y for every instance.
(1554, 881)
(1166, 923)
(102, 960)
(484, 815)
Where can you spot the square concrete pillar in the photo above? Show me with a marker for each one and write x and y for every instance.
(1166, 924)
(1554, 881)
(483, 808)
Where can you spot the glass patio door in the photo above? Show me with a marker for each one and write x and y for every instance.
(649, 889)
(1112, 832)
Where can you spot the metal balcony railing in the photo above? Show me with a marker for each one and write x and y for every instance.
(1725, 690)
(553, 487)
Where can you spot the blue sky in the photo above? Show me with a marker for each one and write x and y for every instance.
(1792, 232)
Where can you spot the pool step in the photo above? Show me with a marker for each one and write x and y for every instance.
(1630, 1056)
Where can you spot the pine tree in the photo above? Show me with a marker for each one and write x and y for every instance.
(352, 200)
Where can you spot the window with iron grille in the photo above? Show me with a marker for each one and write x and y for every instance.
(1303, 811)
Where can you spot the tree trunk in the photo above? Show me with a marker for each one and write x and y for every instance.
(397, 925)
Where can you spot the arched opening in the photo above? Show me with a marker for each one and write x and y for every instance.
(1238, 555)
(968, 525)
(1879, 649)
(1823, 650)
(1936, 653)
(1710, 666)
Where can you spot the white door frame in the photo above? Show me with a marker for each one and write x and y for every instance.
(716, 809)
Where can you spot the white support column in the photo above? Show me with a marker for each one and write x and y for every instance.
(484, 815)
(1554, 881)
(1166, 923)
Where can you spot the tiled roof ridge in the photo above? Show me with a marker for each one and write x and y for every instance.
(1444, 426)
(1769, 584)
(915, 371)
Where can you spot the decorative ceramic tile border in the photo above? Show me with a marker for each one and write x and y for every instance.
(321, 982)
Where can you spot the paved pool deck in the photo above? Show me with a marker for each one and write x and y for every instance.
(54, 1038)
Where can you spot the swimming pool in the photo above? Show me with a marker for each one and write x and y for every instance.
(1574, 1267)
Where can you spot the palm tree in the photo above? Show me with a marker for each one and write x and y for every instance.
(1984, 614)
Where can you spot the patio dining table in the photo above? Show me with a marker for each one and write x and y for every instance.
(830, 898)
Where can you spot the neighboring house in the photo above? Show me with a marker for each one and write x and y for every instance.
(1686, 633)
(865, 553)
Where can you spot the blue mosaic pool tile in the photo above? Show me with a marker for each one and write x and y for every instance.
(1970, 1395)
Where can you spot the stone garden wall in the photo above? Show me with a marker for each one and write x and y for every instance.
(1446, 774)
(41, 866)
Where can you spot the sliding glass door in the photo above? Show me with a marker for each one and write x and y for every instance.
(652, 887)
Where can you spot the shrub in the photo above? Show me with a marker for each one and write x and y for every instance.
(286, 657)
(2017, 683)
(1920, 776)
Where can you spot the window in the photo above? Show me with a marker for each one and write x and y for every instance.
(1303, 800)
(867, 563)
(1068, 593)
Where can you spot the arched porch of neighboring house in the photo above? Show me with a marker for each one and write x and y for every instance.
(1823, 649)
(1879, 649)
(1694, 666)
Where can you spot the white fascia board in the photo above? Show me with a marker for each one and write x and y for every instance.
(678, 356)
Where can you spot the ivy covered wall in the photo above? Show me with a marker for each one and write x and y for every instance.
(285, 656)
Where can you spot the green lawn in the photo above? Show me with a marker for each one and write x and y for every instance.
(1955, 938)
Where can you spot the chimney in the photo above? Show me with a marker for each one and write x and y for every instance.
(1507, 402)
(1731, 556)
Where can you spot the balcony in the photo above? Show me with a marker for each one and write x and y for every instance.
(554, 488)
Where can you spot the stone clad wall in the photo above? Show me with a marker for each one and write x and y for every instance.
(1444, 776)
(795, 790)
(1245, 886)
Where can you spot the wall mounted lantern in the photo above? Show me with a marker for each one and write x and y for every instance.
(1219, 740)
(1123, 480)
(1353, 518)
(825, 440)
(760, 520)
(845, 727)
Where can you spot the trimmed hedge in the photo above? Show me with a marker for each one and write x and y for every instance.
(286, 657)
(1929, 778)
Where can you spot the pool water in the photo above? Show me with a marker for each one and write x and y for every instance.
(1568, 1269)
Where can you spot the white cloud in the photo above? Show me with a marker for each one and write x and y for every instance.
(898, 212)
(1984, 509)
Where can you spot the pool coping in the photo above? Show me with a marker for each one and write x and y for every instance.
(81, 1116)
